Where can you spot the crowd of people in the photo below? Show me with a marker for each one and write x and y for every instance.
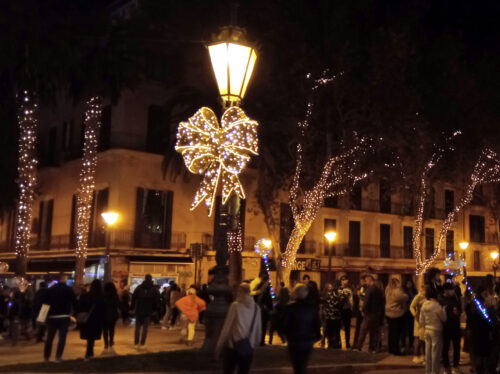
(425, 323)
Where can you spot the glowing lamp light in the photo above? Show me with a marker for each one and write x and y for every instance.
(110, 218)
(331, 236)
(494, 255)
(464, 245)
(267, 243)
(233, 61)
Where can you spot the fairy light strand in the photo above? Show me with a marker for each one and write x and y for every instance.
(27, 170)
(235, 240)
(87, 175)
(486, 170)
(338, 176)
(219, 153)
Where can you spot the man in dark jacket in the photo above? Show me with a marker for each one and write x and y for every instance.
(301, 328)
(61, 300)
(144, 301)
(37, 305)
(451, 327)
(373, 314)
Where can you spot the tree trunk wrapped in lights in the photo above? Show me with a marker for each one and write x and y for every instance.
(486, 170)
(338, 175)
(87, 184)
(27, 165)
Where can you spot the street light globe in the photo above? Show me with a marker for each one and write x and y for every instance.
(267, 243)
(494, 255)
(330, 236)
(233, 61)
(463, 245)
(110, 217)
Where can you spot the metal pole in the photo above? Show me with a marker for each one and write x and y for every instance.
(107, 265)
(330, 246)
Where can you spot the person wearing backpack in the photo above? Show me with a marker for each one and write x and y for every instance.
(240, 334)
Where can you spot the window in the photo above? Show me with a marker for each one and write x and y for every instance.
(330, 225)
(105, 131)
(157, 136)
(477, 261)
(385, 240)
(153, 218)
(476, 229)
(449, 201)
(97, 236)
(45, 223)
(286, 227)
(355, 198)
(67, 133)
(408, 241)
(385, 196)
(429, 242)
(430, 203)
(478, 198)
(331, 202)
(221, 222)
(450, 242)
(354, 238)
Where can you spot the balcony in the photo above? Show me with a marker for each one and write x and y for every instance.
(372, 251)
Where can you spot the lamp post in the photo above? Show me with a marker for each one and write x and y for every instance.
(494, 257)
(330, 237)
(463, 246)
(110, 219)
(233, 60)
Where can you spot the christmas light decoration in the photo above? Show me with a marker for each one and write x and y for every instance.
(27, 165)
(337, 177)
(263, 248)
(87, 178)
(454, 266)
(235, 240)
(486, 170)
(219, 153)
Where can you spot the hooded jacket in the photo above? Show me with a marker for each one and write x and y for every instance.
(238, 322)
(191, 306)
(432, 316)
(395, 302)
(145, 299)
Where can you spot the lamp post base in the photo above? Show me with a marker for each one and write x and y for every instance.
(216, 311)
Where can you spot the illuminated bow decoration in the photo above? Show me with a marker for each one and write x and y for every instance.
(218, 152)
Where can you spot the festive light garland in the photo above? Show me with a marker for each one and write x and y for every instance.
(454, 266)
(27, 165)
(263, 248)
(219, 153)
(235, 240)
(87, 175)
(338, 171)
(486, 170)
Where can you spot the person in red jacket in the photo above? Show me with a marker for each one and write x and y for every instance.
(190, 306)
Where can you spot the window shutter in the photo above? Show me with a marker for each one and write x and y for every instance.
(138, 216)
(167, 225)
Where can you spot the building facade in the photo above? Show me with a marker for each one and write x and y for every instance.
(156, 229)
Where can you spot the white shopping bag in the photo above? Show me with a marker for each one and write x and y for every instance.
(42, 316)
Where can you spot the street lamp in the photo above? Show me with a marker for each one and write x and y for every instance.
(463, 245)
(110, 219)
(494, 257)
(330, 237)
(233, 60)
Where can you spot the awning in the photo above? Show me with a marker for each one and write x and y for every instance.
(53, 265)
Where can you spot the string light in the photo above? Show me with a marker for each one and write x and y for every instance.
(486, 170)
(263, 248)
(338, 171)
(219, 153)
(453, 265)
(87, 176)
(27, 165)
(235, 240)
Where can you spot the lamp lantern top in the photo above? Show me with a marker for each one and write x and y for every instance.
(110, 217)
(330, 236)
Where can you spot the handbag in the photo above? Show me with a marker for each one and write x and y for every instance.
(42, 315)
(243, 347)
(83, 317)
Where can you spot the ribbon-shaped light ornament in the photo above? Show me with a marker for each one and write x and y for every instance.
(218, 152)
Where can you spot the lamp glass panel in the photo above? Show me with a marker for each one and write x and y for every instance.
(251, 65)
(238, 56)
(219, 57)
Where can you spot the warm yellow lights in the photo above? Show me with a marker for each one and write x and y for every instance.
(263, 247)
(219, 153)
(330, 236)
(110, 218)
(267, 243)
(233, 62)
(463, 245)
(494, 255)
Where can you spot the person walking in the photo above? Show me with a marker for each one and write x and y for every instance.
(62, 301)
(91, 316)
(191, 306)
(407, 337)
(262, 296)
(302, 328)
(240, 334)
(361, 293)
(278, 315)
(347, 308)
(37, 306)
(373, 315)
(432, 317)
(175, 295)
(451, 328)
(112, 305)
(333, 315)
(395, 308)
(125, 305)
(418, 331)
(144, 301)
